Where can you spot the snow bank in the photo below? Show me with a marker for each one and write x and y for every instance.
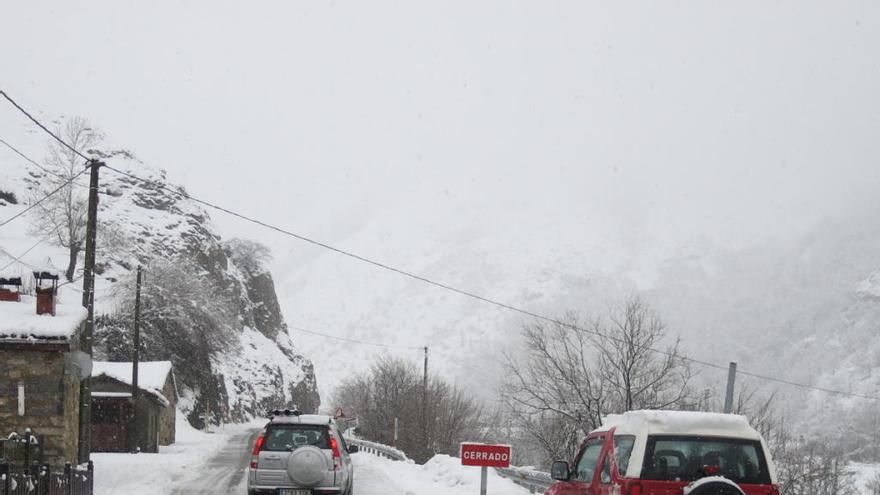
(19, 320)
(441, 475)
(152, 375)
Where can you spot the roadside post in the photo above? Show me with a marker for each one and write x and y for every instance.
(484, 456)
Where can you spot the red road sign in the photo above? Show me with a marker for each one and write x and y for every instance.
(480, 454)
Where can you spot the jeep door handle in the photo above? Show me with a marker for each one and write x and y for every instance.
(273, 457)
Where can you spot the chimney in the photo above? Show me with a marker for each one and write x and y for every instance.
(6, 292)
(47, 290)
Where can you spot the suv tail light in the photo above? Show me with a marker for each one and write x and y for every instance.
(633, 489)
(255, 454)
(334, 446)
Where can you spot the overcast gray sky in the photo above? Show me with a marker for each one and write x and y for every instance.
(651, 124)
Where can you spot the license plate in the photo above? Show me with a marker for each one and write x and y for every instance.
(293, 491)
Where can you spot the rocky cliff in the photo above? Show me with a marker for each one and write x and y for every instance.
(208, 304)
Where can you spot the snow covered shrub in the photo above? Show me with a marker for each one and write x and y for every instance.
(873, 485)
(186, 317)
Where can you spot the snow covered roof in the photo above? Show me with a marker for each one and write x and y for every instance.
(677, 422)
(152, 375)
(19, 321)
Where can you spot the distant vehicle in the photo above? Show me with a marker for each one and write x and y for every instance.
(300, 454)
(669, 453)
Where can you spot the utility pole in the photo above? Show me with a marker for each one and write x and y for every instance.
(425, 403)
(88, 301)
(134, 437)
(731, 379)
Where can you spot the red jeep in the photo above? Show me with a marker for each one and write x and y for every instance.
(669, 453)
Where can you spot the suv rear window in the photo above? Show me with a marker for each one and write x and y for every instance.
(282, 437)
(684, 458)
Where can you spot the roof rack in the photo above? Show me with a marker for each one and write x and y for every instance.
(284, 412)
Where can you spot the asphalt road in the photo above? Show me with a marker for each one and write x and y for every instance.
(225, 472)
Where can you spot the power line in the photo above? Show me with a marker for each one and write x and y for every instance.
(33, 162)
(35, 121)
(44, 198)
(401, 271)
(353, 341)
(22, 255)
(462, 362)
(472, 295)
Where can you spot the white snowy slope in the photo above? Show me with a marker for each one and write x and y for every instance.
(325, 292)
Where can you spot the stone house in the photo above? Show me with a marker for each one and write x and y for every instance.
(41, 367)
(112, 405)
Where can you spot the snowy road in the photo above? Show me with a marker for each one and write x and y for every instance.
(225, 471)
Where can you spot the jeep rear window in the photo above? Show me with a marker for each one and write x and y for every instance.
(686, 458)
(283, 437)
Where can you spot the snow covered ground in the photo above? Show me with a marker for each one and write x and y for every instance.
(442, 475)
(172, 467)
(866, 475)
(215, 463)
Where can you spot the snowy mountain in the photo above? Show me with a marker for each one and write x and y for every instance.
(148, 223)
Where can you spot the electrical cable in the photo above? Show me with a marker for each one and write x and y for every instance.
(470, 294)
(44, 198)
(34, 163)
(413, 275)
(41, 126)
(18, 258)
(353, 341)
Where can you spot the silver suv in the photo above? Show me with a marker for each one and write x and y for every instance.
(300, 454)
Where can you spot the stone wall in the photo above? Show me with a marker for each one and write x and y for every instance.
(168, 415)
(51, 399)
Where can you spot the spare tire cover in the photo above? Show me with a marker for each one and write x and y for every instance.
(306, 466)
(713, 486)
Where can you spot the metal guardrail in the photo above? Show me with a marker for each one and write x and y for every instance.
(535, 481)
(377, 449)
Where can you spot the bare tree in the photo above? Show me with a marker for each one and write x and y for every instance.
(393, 389)
(63, 216)
(803, 466)
(638, 373)
(574, 372)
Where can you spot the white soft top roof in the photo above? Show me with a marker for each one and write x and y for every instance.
(303, 419)
(680, 422)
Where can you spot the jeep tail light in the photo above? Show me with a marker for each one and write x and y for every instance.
(334, 446)
(258, 446)
(634, 489)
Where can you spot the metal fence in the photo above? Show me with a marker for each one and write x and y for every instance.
(377, 449)
(535, 481)
(42, 480)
